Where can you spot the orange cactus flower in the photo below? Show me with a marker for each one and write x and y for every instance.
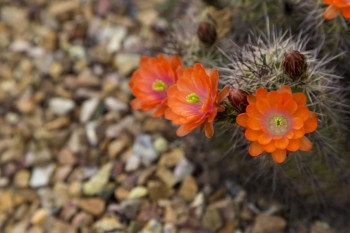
(195, 100)
(276, 122)
(149, 84)
(336, 7)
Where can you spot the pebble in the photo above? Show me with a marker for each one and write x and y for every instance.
(61, 106)
(138, 192)
(268, 224)
(90, 129)
(172, 158)
(115, 147)
(160, 145)
(143, 148)
(94, 206)
(125, 63)
(152, 226)
(97, 182)
(212, 220)
(320, 227)
(117, 34)
(22, 179)
(82, 219)
(183, 168)
(66, 157)
(88, 109)
(158, 190)
(188, 189)
(41, 176)
(115, 105)
(75, 189)
(132, 163)
(39, 216)
(108, 224)
(167, 176)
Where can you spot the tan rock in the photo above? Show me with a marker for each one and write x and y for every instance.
(57, 123)
(94, 206)
(75, 189)
(158, 190)
(82, 219)
(39, 216)
(121, 193)
(66, 157)
(115, 147)
(25, 106)
(321, 227)
(268, 224)
(167, 176)
(22, 179)
(35, 229)
(61, 7)
(108, 224)
(188, 189)
(138, 192)
(6, 202)
(212, 219)
(172, 158)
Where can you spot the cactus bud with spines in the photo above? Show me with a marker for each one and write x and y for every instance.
(206, 33)
(295, 64)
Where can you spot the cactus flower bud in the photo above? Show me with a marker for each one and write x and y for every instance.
(238, 99)
(206, 33)
(294, 64)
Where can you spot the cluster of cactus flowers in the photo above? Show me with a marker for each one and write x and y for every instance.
(274, 121)
(275, 90)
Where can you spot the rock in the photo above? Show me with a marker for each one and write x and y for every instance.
(158, 190)
(61, 106)
(90, 129)
(132, 163)
(183, 168)
(169, 228)
(35, 229)
(127, 123)
(20, 46)
(22, 179)
(143, 148)
(4, 181)
(66, 157)
(94, 206)
(188, 189)
(131, 207)
(39, 216)
(68, 211)
(6, 202)
(160, 145)
(125, 63)
(60, 226)
(172, 158)
(167, 176)
(82, 219)
(41, 176)
(152, 226)
(147, 17)
(61, 7)
(229, 227)
(97, 182)
(75, 189)
(121, 193)
(212, 220)
(115, 105)
(88, 109)
(116, 146)
(198, 204)
(25, 106)
(117, 34)
(268, 224)
(320, 227)
(62, 173)
(108, 224)
(138, 192)
(58, 123)
(61, 194)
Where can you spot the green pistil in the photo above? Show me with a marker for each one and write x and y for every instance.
(193, 98)
(278, 121)
(159, 85)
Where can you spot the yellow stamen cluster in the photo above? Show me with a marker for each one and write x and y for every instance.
(193, 98)
(158, 85)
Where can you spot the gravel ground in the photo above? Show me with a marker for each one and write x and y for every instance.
(75, 158)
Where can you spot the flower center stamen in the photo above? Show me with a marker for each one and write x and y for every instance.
(278, 124)
(158, 85)
(193, 98)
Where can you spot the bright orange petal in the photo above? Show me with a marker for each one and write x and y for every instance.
(273, 97)
(161, 110)
(293, 145)
(300, 98)
(285, 89)
(331, 12)
(251, 99)
(346, 12)
(209, 129)
(290, 106)
(254, 123)
(297, 123)
(255, 149)
(302, 112)
(252, 135)
(182, 131)
(270, 147)
(310, 125)
(298, 133)
(328, 2)
(261, 93)
(305, 144)
(223, 94)
(242, 120)
(252, 111)
(279, 156)
(281, 143)
(262, 105)
(264, 139)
